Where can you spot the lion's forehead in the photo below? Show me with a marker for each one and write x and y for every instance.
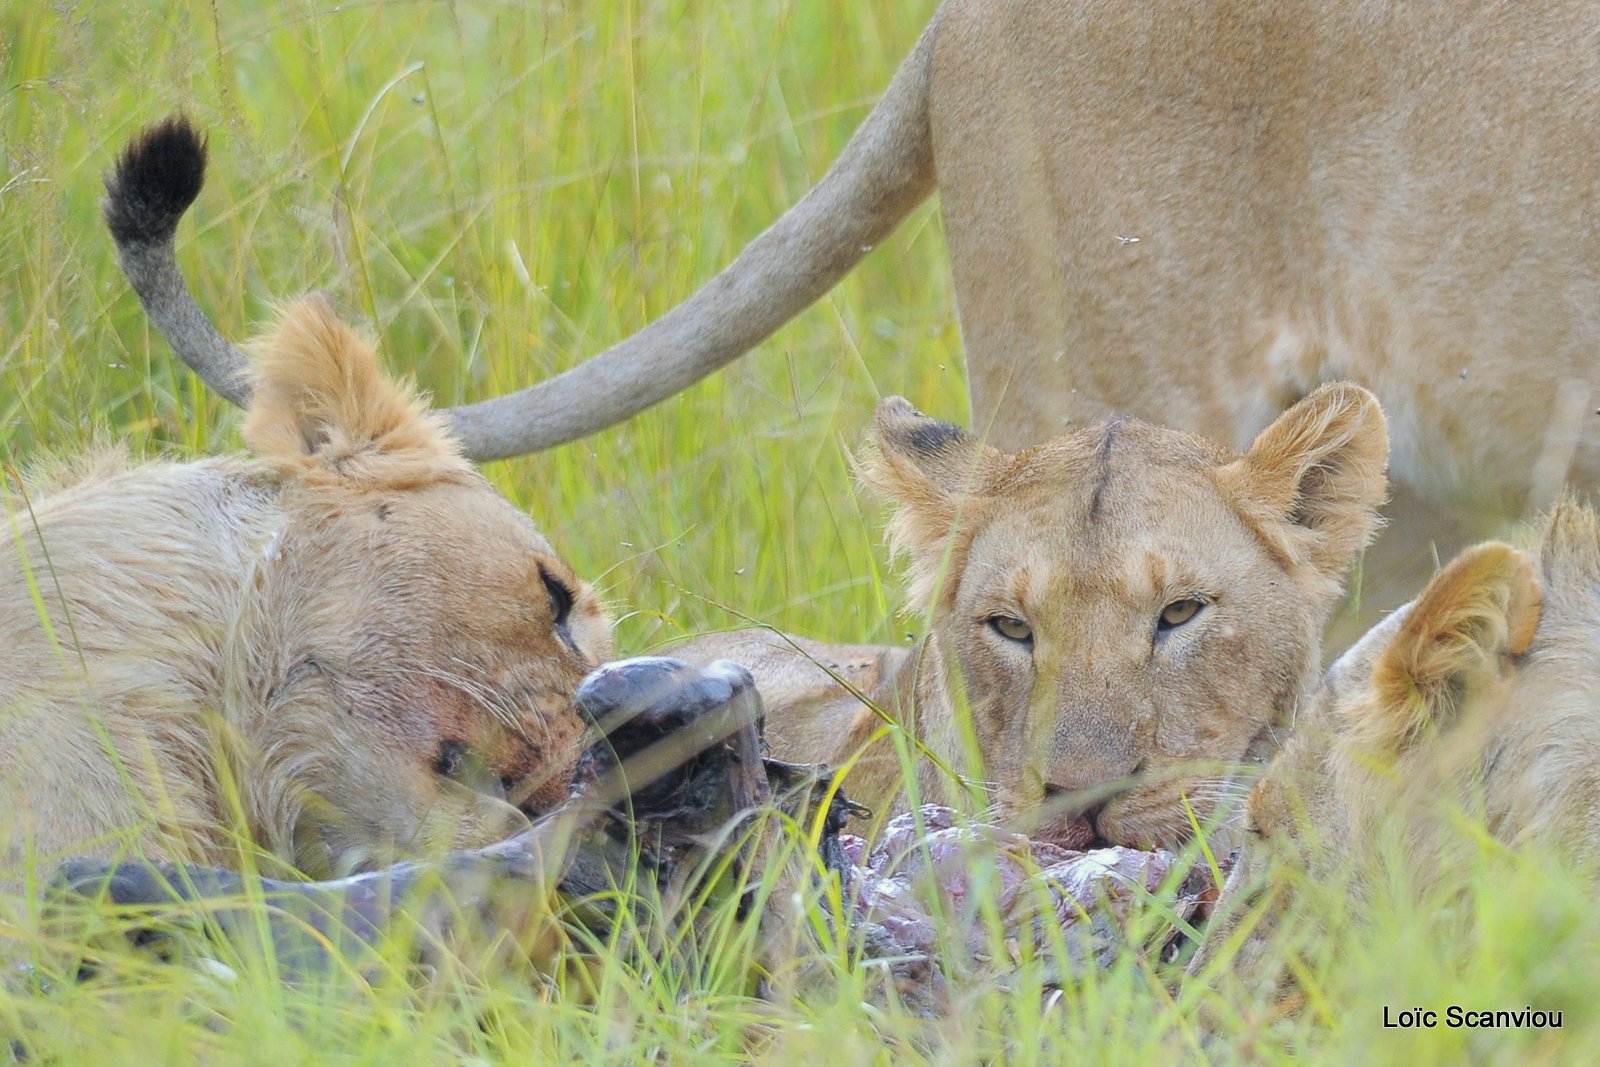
(464, 537)
(1131, 485)
(450, 578)
(1093, 477)
(1043, 557)
(452, 517)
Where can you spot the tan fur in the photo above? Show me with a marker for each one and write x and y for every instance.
(1480, 609)
(811, 690)
(1478, 701)
(1087, 539)
(273, 652)
(322, 409)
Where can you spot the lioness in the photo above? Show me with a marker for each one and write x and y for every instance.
(1478, 699)
(1128, 611)
(343, 645)
(1195, 214)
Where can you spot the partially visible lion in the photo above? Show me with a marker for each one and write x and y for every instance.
(1129, 612)
(340, 647)
(1478, 701)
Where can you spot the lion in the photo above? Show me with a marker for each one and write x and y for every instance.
(1119, 618)
(1475, 704)
(1193, 214)
(342, 647)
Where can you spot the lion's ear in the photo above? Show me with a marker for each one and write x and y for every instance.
(322, 406)
(1313, 481)
(931, 471)
(1569, 553)
(1482, 607)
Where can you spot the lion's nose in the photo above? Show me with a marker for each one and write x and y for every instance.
(1091, 812)
(539, 794)
(1090, 800)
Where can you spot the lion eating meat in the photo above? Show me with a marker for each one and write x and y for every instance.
(1129, 612)
(341, 646)
(1476, 703)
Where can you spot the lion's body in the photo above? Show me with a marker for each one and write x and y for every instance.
(1197, 213)
(1207, 210)
(1475, 704)
(303, 652)
(150, 560)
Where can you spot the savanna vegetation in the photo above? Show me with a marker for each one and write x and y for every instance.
(500, 190)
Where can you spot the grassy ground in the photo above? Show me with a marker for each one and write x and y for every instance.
(502, 189)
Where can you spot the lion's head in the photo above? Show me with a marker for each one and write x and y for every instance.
(1474, 704)
(405, 663)
(1130, 610)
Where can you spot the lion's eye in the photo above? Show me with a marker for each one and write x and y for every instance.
(1179, 612)
(561, 598)
(460, 764)
(1012, 629)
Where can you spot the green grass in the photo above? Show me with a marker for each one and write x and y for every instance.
(502, 189)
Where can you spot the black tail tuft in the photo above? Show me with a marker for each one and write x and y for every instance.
(155, 180)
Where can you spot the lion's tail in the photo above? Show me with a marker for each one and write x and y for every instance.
(885, 171)
(153, 183)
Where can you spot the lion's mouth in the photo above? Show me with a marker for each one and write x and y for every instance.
(1076, 833)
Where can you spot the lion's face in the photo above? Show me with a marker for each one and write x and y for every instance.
(428, 644)
(1125, 642)
(1279, 836)
(414, 641)
(1131, 610)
